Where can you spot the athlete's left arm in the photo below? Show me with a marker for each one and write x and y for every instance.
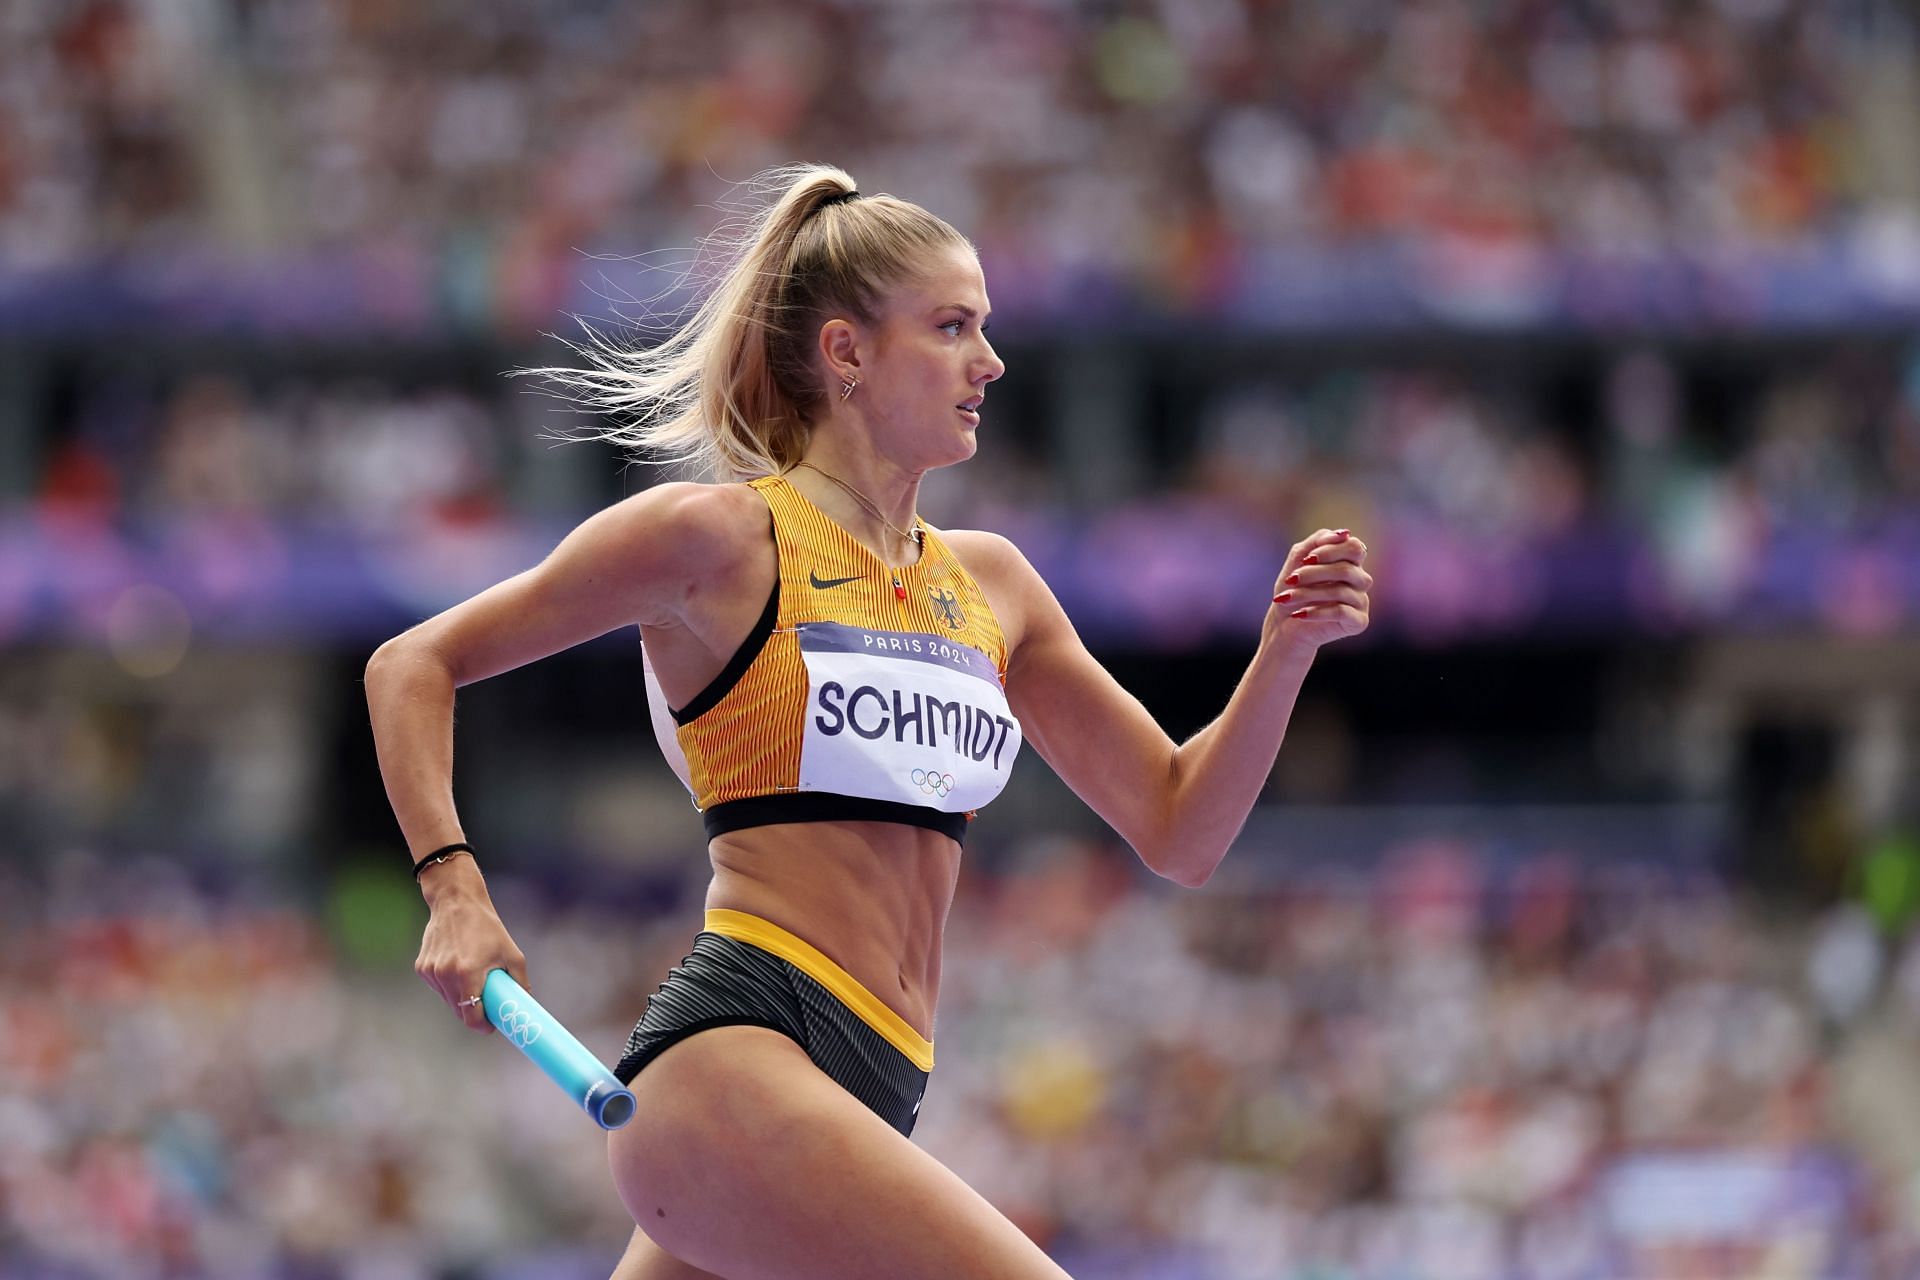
(1180, 807)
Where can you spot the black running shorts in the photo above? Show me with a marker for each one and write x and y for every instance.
(746, 971)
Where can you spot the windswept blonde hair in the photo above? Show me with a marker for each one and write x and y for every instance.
(735, 391)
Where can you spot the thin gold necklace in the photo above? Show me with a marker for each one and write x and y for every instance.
(916, 537)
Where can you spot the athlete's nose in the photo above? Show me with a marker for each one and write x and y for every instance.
(995, 366)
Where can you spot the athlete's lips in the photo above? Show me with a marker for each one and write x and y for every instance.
(970, 409)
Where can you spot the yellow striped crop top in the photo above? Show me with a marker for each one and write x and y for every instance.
(865, 691)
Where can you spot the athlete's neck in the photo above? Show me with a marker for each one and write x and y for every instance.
(893, 493)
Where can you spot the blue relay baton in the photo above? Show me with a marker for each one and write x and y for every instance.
(529, 1028)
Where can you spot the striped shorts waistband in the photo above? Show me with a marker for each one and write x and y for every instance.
(810, 960)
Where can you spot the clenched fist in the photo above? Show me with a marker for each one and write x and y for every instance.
(1321, 594)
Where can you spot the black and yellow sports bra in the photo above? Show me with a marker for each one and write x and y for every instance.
(864, 692)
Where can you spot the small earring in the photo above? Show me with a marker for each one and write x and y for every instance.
(851, 383)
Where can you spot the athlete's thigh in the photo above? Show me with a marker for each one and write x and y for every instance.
(746, 1160)
(645, 1260)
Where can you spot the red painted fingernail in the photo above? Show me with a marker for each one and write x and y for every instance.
(1282, 597)
(1294, 581)
(1312, 559)
(1341, 533)
(1301, 613)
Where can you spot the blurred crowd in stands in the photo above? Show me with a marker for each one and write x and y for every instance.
(1148, 155)
(1453, 1066)
(1830, 443)
(1649, 495)
(354, 455)
(1154, 145)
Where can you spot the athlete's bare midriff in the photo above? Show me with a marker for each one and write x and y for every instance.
(872, 896)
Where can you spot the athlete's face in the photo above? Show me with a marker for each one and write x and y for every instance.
(926, 370)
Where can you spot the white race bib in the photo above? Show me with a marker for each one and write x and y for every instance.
(903, 716)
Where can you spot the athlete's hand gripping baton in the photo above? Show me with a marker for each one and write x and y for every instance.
(533, 1031)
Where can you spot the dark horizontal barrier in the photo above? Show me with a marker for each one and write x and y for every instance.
(1383, 285)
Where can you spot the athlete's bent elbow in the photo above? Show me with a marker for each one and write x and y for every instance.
(1180, 865)
(1194, 879)
(397, 657)
(376, 665)
(384, 659)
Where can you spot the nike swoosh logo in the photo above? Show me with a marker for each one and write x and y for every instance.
(822, 584)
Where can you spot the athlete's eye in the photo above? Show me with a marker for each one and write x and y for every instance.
(955, 325)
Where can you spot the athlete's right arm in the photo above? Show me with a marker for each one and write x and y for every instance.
(638, 561)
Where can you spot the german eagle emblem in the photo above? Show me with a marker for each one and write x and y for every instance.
(949, 606)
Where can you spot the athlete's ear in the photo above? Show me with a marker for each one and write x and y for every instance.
(840, 348)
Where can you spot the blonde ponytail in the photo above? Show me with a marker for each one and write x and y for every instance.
(734, 391)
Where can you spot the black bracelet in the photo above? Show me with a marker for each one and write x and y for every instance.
(446, 852)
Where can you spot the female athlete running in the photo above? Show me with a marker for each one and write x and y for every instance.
(841, 686)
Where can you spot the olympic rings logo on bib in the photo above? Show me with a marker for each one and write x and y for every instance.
(517, 1025)
(932, 782)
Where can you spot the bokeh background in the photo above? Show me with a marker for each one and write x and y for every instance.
(1574, 937)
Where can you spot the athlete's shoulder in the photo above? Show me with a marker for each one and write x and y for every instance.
(701, 504)
(989, 556)
(702, 522)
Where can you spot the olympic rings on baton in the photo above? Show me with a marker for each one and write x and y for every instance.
(518, 1025)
